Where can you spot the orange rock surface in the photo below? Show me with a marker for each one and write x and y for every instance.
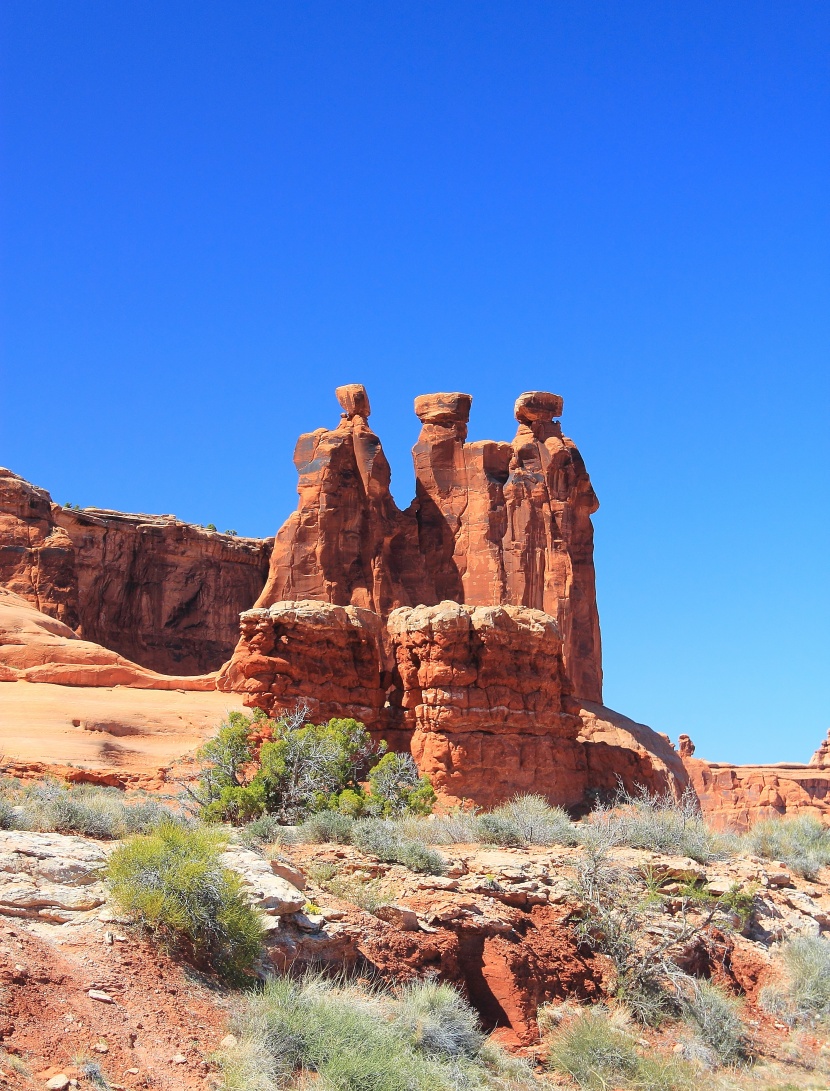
(163, 593)
(736, 796)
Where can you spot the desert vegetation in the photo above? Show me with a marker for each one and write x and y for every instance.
(173, 883)
(348, 1036)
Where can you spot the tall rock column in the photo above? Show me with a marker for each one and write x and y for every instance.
(347, 543)
(549, 539)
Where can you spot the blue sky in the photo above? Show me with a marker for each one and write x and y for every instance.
(214, 213)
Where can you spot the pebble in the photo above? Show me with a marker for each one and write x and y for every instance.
(178, 1059)
(57, 1083)
(99, 994)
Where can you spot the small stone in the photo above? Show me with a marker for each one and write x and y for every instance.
(229, 1042)
(290, 873)
(109, 939)
(100, 995)
(178, 1059)
(398, 915)
(58, 1083)
(101, 1046)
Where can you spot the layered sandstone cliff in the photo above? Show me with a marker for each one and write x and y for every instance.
(163, 593)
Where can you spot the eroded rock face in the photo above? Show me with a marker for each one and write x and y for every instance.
(737, 796)
(347, 544)
(163, 593)
(482, 691)
(821, 758)
(330, 657)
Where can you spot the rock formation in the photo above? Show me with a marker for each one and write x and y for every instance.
(821, 758)
(347, 543)
(736, 796)
(492, 524)
(478, 695)
(160, 592)
(482, 693)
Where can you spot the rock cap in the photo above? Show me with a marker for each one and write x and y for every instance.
(354, 400)
(536, 405)
(443, 408)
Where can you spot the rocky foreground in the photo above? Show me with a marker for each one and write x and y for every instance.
(85, 993)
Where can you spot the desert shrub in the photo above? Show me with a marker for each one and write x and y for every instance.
(264, 830)
(660, 822)
(326, 826)
(436, 1019)
(715, 1017)
(173, 882)
(223, 791)
(454, 828)
(598, 1053)
(397, 787)
(807, 989)
(381, 838)
(528, 820)
(7, 814)
(801, 843)
(306, 769)
(346, 1038)
(87, 809)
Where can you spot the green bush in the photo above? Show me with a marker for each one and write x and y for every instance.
(801, 843)
(338, 1037)
(807, 990)
(528, 820)
(86, 809)
(326, 826)
(396, 787)
(173, 882)
(437, 1020)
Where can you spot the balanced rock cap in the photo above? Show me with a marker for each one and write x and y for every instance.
(443, 408)
(354, 400)
(537, 405)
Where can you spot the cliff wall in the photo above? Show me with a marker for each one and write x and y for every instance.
(165, 594)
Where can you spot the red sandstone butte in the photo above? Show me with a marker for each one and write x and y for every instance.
(163, 593)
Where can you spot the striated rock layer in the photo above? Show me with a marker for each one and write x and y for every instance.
(492, 524)
(163, 593)
(737, 796)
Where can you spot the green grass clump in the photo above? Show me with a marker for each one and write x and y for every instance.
(527, 820)
(807, 989)
(801, 843)
(173, 882)
(715, 1018)
(338, 1037)
(598, 1054)
(326, 826)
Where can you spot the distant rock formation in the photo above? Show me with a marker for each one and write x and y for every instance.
(163, 593)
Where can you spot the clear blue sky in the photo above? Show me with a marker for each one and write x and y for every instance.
(213, 213)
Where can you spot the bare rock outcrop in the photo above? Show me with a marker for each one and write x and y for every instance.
(328, 657)
(482, 690)
(163, 593)
(492, 524)
(347, 543)
(821, 758)
(737, 796)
